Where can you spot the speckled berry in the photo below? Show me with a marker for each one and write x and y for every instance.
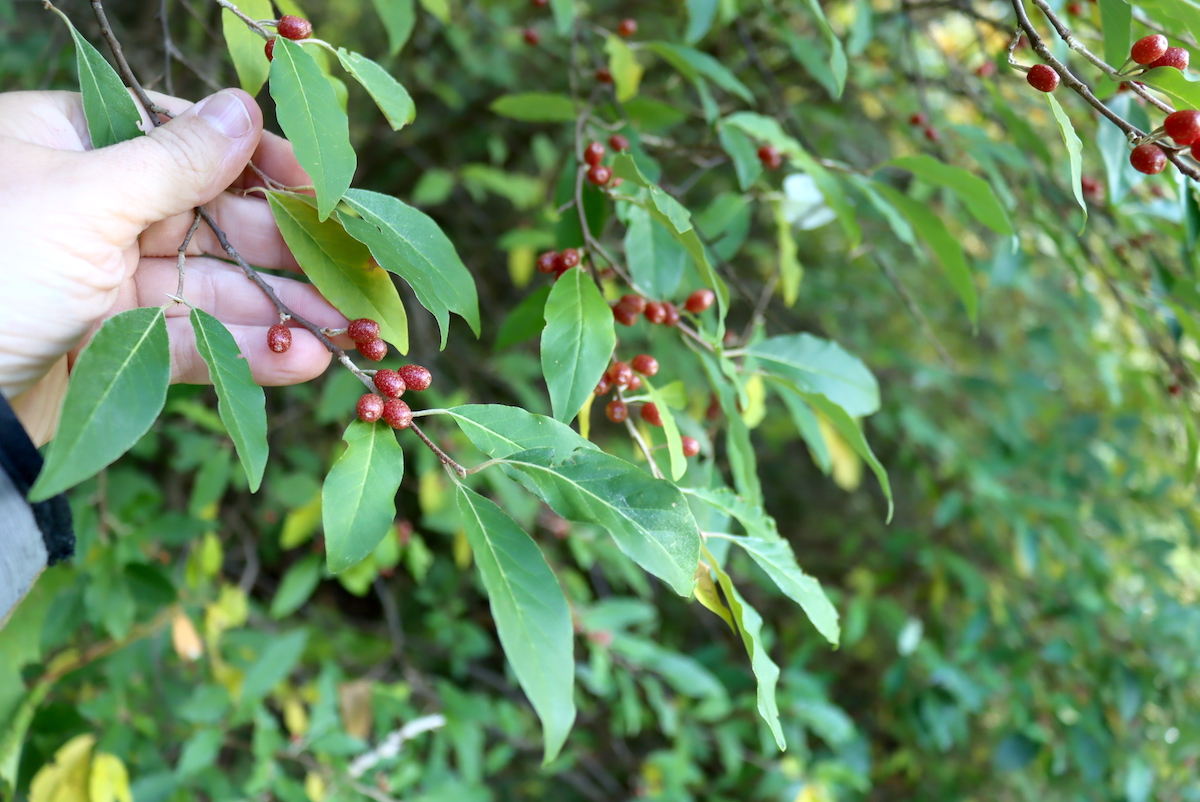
(593, 154)
(397, 414)
(373, 350)
(619, 373)
(599, 175)
(416, 377)
(1175, 57)
(1149, 49)
(603, 386)
(627, 27)
(363, 330)
(390, 383)
(656, 312)
(700, 300)
(670, 314)
(1042, 77)
(636, 303)
(279, 338)
(624, 315)
(370, 408)
(691, 446)
(1148, 159)
(618, 143)
(635, 384)
(269, 49)
(645, 364)
(770, 157)
(651, 415)
(569, 258)
(1183, 126)
(291, 27)
(547, 261)
(616, 411)
(531, 37)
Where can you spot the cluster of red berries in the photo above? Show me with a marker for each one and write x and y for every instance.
(558, 262)
(631, 306)
(628, 376)
(593, 155)
(1153, 51)
(393, 384)
(289, 27)
(918, 120)
(1182, 126)
(365, 333)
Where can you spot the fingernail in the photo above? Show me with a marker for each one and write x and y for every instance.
(226, 112)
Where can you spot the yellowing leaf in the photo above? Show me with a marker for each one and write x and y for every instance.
(229, 611)
(65, 779)
(431, 492)
(109, 781)
(184, 637)
(847, 466)
(314, 787)
(585, 417)
(521, 261)
(301, 523)
(707, 595)
(462, 550)
(756, 406)
(295, 716)
(626, 71)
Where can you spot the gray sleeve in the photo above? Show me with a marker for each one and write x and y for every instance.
(23, 553)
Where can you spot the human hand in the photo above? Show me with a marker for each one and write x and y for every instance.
(88, 234)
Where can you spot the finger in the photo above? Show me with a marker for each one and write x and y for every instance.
(277, 158)
(305, 360)
(246, 220)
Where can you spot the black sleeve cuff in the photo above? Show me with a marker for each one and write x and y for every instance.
(19, 458)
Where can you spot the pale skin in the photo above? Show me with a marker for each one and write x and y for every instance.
(92, 233)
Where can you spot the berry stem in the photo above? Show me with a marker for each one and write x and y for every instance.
(637, 438)
(250, 23)
(181, 262)
(445, 458)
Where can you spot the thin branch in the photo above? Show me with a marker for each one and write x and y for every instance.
(915, 311)
(445, 458)
(250, 23)
(131, 80)
(181, 264)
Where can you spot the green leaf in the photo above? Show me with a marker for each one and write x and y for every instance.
(670, 431)
(1116, 19)
(820, 366)
(749, 624)
(701, 14)
(626, 71)
(407, 242)
(895, 220)
(768, 130)
(279, 656)
(577, 343)
(312, 118)
(296, 587)
(791, 272)
(340, 267)
(742, 152)
(531, 614)
(564, 15)
(837, 54)
(775, 557)
(1114, 147)
(975, 193)
(247, 48)
(945, 246)
(398, 17)
(358, 500)
(694, 65)
(648, 518)
(535, 107)
(118, 387)
(439, 9)
(753, 518)
(1177, 86)
(240, 401)
(389, 95)
(109, 109)
(655, 257)
(1074, 153)
(499, 430)
(806, 423)
(525, 321)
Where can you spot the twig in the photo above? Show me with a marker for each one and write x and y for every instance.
(446, 459)
(250, 23)
(181, 264)
(123, 66)
(637, 437)
(915, 311)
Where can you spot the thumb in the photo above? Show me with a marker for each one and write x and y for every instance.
(186, 162)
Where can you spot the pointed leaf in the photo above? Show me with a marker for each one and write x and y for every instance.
(498, 430)
(358, 500)
(398, 18)
(408, 243)
(670, 431)
(753, 518)
(577, 343)
(775, 557)
(791, 272)
(275, 662)
(1184, 91)
(564, 15)
(111, 114)
(296, 587)
(656, 258)
(701, 14)
(975, 193)
(312, 118)
(1074, 154)
(117, 389)
(439, 9)
(626, 71)
(837, 54)
(536, 107)
(530, 611)
(741, 150)
(693, 65)
(1116, 20)
(240, 401)
(340, 267)
(648, 518)
(820, 366)
(389, 95)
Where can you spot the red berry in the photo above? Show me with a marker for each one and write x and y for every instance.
(627, 28)
(1093, 190)
(370, 408)
(1196, 151)
(671, 313)
(616, 411)
(416, 377)
(1148, 49)
(1175, 57)
(651, 415)
(932, 135)
(917, 118)
(1148, 159)
(279, 338)
(532, 37)
(363, 330)
(635, 302)
(1183, 126)
(373, 350)
(635, 384)
(569, 258)
(1075, 9)
(270, 49)
(691, 446)
(770, 157)
(986, 70)
(656, 312)
(1175, 388)
(547, 261)
(618, 143)
(624, 315)
(294, 27)
(603, 386)
(390, 383)
(700, 300)
(397, 414)
(594, 154)
(645, 364)
(1042, 77)
(539, 3)
(620, 374)
(599, 175)
(604, 75)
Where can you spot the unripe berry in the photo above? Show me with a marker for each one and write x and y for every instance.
(569, 258)
(370, 408)
(279, 338)
(373, 350)
(547, 262)
(635, 384)
(1183, 126)
(620, 374)
(390, 383)
(624, 315)
(618, 143)
(1148, 159)
(599, 175)
(656, 312)
(363, 330)
(616, 411)
(1042, 77)
(293, 28)
(627, 28)
(645, 364)
(1175, 57)
(770, 157)
(671, 314)
(700, 300)
(594, 154)
(691, 446)
(604, 75)
(397, 414)
(416, 377)
(531, 36)
(603, 386)
(651, 415)
(270, 49)
(636, 303)
(1149, 49)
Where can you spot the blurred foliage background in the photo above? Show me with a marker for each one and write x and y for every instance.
(1026, 627)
